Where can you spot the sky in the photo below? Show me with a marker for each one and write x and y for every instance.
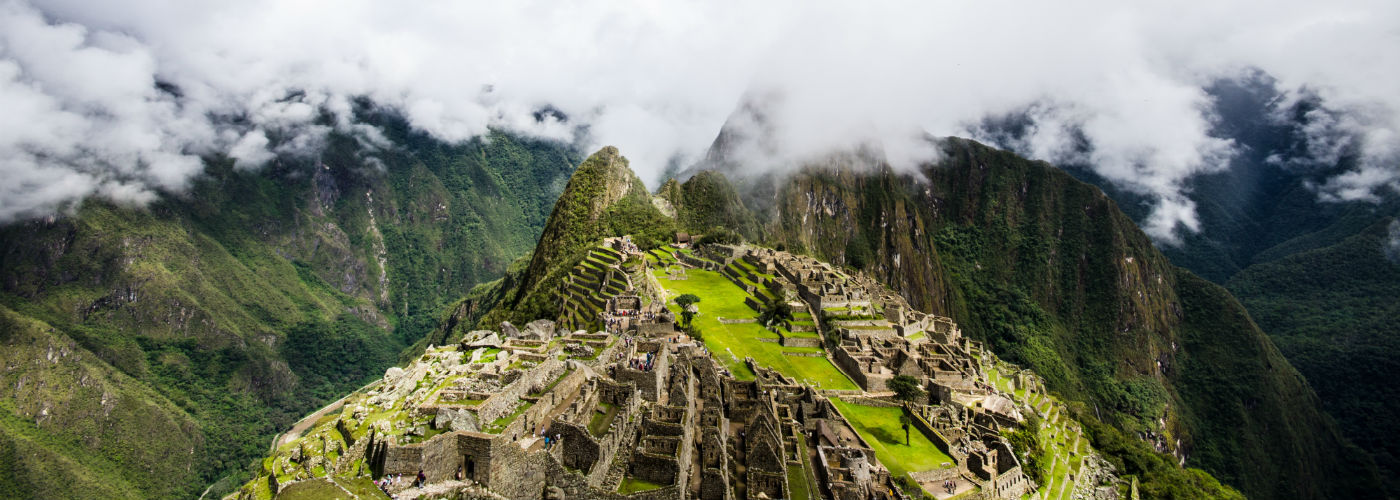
(83, 113)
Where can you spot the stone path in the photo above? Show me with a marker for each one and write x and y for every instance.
(444, 488)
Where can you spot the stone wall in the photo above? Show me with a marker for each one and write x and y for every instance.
(504, 402)
(570, 484)
(516, 473)
(935, 475)
(623, 430)
(659, 469)
(401, 460)
(655, 329)
(647, 381)
(1010, 484)
(843, 360)
(806, 341)
(581, 450)
(938, 441)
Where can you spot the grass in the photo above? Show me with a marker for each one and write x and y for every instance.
(598, 425)
(797, 483)
(323, 489)
(495, 427)
(880, 428)
(800, 479)
(488, 356)
(632, 485)
(721, 298)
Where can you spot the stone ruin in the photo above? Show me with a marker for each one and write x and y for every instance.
(618, 408)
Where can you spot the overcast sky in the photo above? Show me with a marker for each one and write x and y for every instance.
(80, 114)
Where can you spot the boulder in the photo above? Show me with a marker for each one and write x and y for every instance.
(540, 329)
(455, 420)
(392, 375)
(509, 331)
(480, 338)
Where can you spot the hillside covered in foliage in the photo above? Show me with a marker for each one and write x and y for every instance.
(154, 351)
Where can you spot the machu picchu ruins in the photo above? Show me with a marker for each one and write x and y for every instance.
(779, 383)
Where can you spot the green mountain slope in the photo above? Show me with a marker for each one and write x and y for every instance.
(204, 324)
(603, 198)
(1311, 272)
(1332, 312)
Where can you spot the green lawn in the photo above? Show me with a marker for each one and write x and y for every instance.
(721, 298)
(632, 485)
(880, 427)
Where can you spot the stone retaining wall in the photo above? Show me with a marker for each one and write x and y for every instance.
(790, 341)
(574, 485)
(504, 402)
(935, 475)
(728, 321)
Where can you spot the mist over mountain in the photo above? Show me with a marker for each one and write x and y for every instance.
(119, 99)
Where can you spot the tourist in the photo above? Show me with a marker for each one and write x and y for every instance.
(422, 478)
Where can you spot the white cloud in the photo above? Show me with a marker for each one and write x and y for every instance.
(658, 79)
(1392, 242)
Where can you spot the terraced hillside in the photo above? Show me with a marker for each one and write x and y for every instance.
(587, 288)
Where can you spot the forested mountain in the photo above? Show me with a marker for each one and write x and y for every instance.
(1321, 278)
(152, 351)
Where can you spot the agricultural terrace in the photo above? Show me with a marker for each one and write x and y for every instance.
(1062, 447)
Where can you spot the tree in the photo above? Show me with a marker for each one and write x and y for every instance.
(906, 389)
(686, 302)
(779, 312)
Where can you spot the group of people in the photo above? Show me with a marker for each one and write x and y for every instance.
(549, 441)
(390, 481)
(950, 486)
(644, 364)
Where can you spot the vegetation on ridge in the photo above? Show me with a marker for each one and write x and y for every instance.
(211, 321)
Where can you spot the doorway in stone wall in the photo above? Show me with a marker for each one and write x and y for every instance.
(469, 466)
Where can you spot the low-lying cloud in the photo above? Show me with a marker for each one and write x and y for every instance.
(120, 99)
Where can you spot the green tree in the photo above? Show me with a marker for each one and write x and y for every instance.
(775, 313)
(686, 301)
(906, 388)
